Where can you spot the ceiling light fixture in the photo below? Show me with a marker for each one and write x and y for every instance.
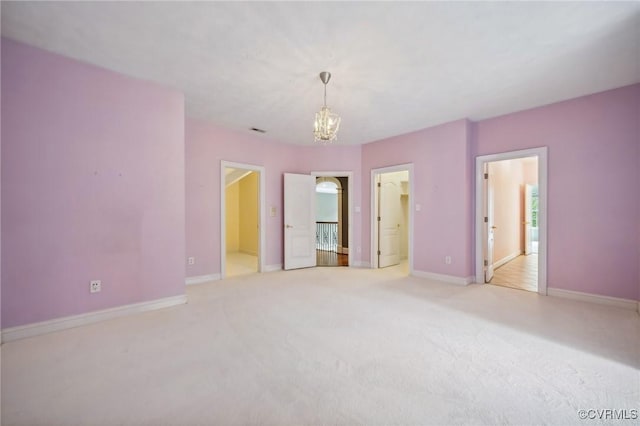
(325, 128)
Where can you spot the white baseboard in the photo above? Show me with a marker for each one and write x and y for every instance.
(451, 279)
(506, 259)
(38, 328)
(201, 279)
(273, 268)
(595, 298)
(361, 264)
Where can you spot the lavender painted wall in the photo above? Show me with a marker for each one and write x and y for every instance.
(92, 187)
(206, 146)
(594, 176)
(442, 186)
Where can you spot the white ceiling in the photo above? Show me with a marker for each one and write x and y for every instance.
(397, 67)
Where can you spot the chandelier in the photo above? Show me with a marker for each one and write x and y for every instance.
(325, 127)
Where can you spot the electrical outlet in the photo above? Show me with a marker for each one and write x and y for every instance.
(447, 260)
(95, 286)
(191, 261)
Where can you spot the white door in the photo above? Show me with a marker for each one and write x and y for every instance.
(528, 199)
(389, 218)
(489, 227)
(299, 221)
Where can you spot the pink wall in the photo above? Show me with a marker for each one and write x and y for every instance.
(594, 176)
(97, 169)
(92, 187)
(206, 146)
(442, 186)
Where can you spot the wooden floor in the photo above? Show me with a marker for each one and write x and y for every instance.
(330, 258)
(520, 273)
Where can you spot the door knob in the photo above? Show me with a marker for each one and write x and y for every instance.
(494, 227)
(289, 226)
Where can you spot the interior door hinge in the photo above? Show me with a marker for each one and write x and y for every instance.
(486, 219)
(378, 218)
(486, 175)
(379, 185)
(486, 263)
(378, 252)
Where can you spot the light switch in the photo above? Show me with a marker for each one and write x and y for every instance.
(273, 211)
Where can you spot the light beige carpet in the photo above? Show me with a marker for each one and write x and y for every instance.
(336, 346)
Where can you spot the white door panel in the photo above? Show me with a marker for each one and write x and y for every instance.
(389, 224)
(299, 221)
(488, 225)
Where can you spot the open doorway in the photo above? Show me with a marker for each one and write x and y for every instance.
(392, 218)
(512, 199)
(300, 216)
(332, 240)
(242, 215)
(511, 220)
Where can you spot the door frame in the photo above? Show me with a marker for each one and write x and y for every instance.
(542, 154)
(408, 167)
(349, 176)
(488, 209)
(223, 213)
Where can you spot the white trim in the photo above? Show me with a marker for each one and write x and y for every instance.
(273, 268)
(64, 323)
(450, 279)
(542, 154)
(408, 167)
(506, 259)
(262, 223)
(201, 279)
(349, 176)
(594, 298)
